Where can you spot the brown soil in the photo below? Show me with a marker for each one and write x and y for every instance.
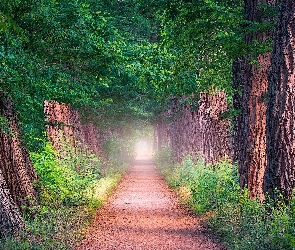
(145, 214)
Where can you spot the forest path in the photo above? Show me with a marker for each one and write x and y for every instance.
(145, 214)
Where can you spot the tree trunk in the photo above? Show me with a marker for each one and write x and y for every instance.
(64, 124)
(250, 126)
(214, 130)
(11, 221)
(200, 131)
(161, 133)
(15, 163)
(280, 172)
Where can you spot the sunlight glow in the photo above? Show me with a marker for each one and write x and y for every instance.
(143, 149)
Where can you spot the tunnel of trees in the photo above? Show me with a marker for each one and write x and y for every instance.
(213, 78)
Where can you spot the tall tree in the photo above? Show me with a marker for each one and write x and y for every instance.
(15, 164)
(280, 171)
(250, 82)
(17, 174)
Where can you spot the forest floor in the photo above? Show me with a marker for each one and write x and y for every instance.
(144, 213)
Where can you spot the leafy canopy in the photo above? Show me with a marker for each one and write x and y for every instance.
(118, 61)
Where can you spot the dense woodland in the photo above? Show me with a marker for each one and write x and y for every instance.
(81, 80)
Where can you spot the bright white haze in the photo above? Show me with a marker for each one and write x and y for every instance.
(143, 149)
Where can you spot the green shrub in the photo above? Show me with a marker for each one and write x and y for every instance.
(242, 223)
(119, 152)
(163, 158)
(52, 228)
(67, 175)
(73, 184)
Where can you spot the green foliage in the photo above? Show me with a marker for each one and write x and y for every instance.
(75, 53)
(4, 125)
(69, 175)
(73, 176)
(58, 226)
(119, 151)
(119, 61)
(205, 37)
(209, 186)
(73, 184)
(198, 40)
(163, 158)
(52, 228)
(242, 223)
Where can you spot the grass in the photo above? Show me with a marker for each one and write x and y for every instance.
(240, 222)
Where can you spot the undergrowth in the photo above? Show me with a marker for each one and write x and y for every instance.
(73, 184)
(240, 222)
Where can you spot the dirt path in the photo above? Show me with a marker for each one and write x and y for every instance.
(145, 214)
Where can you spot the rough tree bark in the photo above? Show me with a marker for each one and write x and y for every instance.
(15, 163)
(64, 124)
(200, 131)
(250, 127)
(161, 134)
(214, 135)
(11, 221)
(280, 172)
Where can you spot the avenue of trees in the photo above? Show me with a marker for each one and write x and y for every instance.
(123, 65)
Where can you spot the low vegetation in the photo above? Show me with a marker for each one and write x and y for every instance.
(240, 222)
(73, 184)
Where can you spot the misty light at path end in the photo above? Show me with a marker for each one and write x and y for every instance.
(143, 149)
